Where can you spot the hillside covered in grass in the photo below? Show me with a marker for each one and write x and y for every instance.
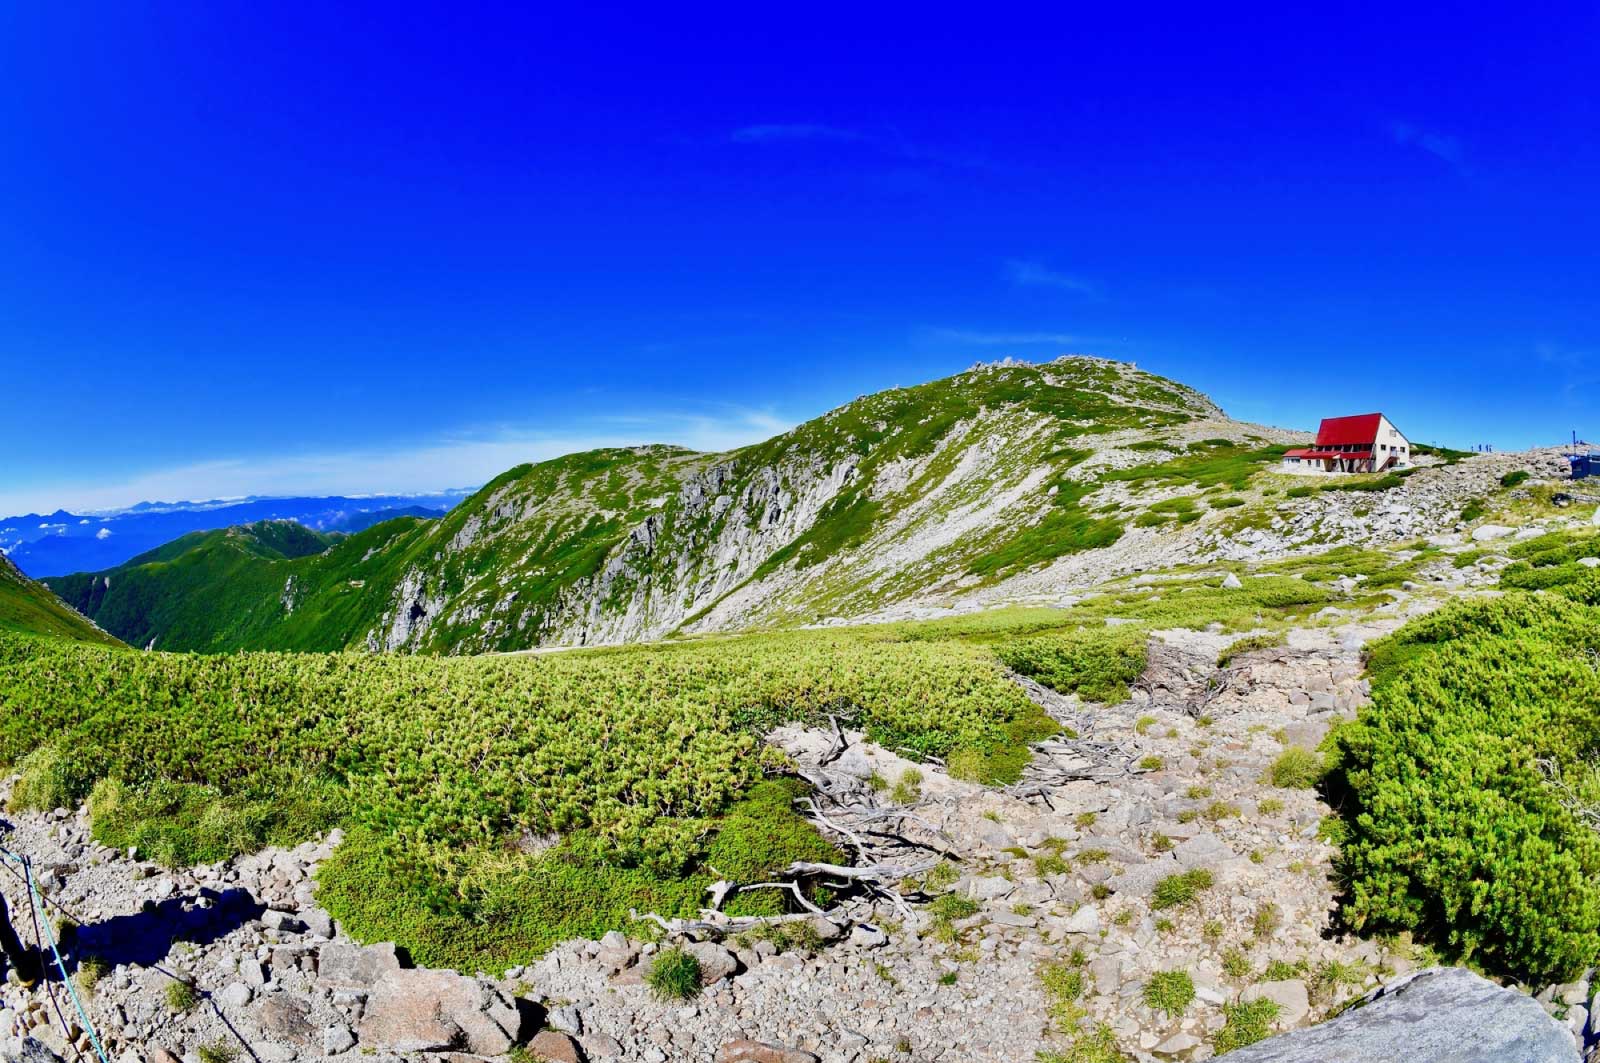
(26, 606)
(957, 484)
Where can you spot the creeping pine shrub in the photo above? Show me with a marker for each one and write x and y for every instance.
(1451, 826)
(1514, 477)
(1094, 663)
(674, 975)
(1296, 768)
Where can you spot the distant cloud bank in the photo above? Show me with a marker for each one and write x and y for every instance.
(450, 461)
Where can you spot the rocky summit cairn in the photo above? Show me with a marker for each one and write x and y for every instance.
(1441, 1015)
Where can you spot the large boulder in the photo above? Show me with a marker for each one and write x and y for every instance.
(351, 966)
(440, 1011)
(1441, 1015)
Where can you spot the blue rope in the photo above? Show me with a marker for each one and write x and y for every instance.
(36, 900)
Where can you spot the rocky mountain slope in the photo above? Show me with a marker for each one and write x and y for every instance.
(1009, 482)
(913, 494)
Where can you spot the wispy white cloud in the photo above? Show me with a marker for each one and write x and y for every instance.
(1036, 275)
(461, 459)
(889, 143)
(777, 132)
(1438, 144)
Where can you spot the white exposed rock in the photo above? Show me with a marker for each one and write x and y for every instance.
(1232, 582)
(1487, 532)
(1085, 920)
(236, 995)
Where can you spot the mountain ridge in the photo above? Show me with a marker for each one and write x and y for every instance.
(900, 496)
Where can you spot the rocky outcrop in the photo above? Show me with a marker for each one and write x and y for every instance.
(440, 1011)
(1442, 1015)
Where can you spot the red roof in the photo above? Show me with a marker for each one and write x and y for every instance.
(1343, 431)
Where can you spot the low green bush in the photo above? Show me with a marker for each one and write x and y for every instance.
(1096, 664)
(1382, 483)
(1514, 477)
(1451, 827)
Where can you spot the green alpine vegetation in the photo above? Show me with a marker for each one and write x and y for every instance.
(906, 493)
(1468, 785)
(28, 606)
(498, 804)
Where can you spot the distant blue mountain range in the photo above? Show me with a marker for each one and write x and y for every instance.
(60, 543)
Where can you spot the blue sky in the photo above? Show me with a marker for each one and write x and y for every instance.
(261, 248)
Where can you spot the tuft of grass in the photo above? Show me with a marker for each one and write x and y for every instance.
(218, 1051)
(1296, 768)
(1151, 763)
(1270, 806)
(1235, 964)
(1246, 1024)
(91, 969)
(1143, 724)
(1169, 991)
(181, 996)
(1283, 970)
(908, 789)
(1097, 1046)
(674, 975)
(1180, 889)
(1268, 918)
(1333, 976)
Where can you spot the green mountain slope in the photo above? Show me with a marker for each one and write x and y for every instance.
(29, 607)
(205, 591)
(910, 494)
